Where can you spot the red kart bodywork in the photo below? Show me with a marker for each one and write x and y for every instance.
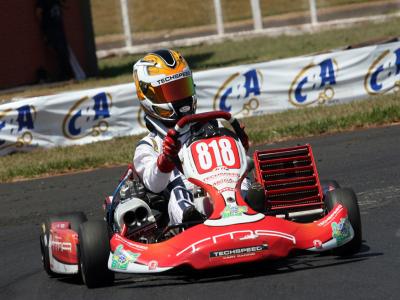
(63, 248)
(241, 235)
(233, 233)
(205, 246)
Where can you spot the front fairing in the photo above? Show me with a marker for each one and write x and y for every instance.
(205, 246)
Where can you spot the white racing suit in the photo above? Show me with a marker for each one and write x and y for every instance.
(174, 185)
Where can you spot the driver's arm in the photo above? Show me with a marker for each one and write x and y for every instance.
(145, 163)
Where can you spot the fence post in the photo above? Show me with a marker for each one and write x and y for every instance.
(257, 18)
(126, 23)
(313, 12)
(218, 17)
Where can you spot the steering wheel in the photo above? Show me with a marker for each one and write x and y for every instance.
(208, 116)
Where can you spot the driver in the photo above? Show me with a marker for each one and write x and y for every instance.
(165, 88)
(166, 92)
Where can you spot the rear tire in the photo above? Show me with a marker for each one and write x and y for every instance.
(255, 197)
(94, 250)
(329, 185)
(74, 218)
(347, 198)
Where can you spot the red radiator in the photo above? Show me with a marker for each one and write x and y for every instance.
(290, 179)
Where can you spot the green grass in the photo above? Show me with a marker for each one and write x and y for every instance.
(325, 119)
(160, 15)
(117, 70)
(67, 159)
(263, 129)
(296, 123)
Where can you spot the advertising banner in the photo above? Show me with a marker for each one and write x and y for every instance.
(103, 113)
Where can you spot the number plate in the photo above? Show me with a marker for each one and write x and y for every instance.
(215, 152)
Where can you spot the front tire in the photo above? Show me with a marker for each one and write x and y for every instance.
(94, 250)
(348, 199)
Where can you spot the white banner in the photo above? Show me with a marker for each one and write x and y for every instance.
(103, 113)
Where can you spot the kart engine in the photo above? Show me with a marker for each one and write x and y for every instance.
(138, 217)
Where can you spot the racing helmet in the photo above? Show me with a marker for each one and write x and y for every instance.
(164, 86)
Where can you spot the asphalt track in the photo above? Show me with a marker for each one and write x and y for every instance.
(367, 160)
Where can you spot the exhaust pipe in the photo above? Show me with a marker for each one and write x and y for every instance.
(137, 217)
(141, 214)
(130, 218)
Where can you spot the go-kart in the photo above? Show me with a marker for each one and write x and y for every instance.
(286, 208)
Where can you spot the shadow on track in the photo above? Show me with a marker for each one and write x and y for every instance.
(301, 261)
(298, 261)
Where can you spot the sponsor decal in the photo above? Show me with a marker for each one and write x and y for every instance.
(384, 73)
(332, 216)
(131, 244)
(250, 236)
(314, 84)
(173, 77)
(153, 264)
(185, 109)
(60, 225)
(215, 178)
(61, 246)
(236, 235)
(233, 210)
(155, 146)
(58, 243)
(17, 123)
(317, 244)
(121, 258)
(238, 252)
(240, 93)
(88, 117)
(341, 230)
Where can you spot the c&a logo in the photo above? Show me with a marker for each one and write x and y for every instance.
(314, 83)
(238, 94)
(384, 73)
(16, 125)
(87, 117)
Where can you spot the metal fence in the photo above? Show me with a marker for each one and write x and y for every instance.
(131, 23)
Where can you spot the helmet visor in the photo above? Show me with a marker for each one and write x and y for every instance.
(170, 92)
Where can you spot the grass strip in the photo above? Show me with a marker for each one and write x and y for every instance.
(107, 18)
(117, 70)
(375, 111)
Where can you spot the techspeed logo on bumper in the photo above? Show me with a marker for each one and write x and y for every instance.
(245, 251)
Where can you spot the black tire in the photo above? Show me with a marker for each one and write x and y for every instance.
(347, 198)
(255, 197)
(75, 219)
(94, 250)
(329, 185)
(44, 250)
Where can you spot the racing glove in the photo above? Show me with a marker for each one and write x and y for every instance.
(171, 147)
